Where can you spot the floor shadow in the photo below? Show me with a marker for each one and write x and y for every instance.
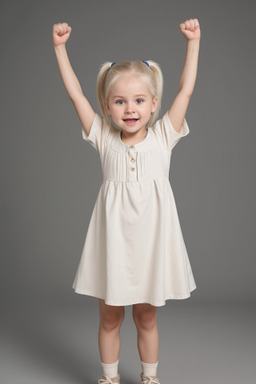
(48, 343)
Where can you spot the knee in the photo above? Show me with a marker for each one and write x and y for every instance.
(145, 320)
(112, 320)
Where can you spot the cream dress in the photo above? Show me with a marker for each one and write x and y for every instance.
(134, 250)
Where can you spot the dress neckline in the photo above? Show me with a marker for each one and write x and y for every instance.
(134, 145)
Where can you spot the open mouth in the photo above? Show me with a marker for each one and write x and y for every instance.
(130, 121)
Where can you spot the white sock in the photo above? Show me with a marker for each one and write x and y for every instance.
(110, 370)
(149, 369)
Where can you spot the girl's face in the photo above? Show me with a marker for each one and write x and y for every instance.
(130, 103)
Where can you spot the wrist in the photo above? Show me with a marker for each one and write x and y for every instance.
(59, 47)
(193, 41)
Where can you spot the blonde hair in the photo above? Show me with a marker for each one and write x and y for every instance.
(151, 75)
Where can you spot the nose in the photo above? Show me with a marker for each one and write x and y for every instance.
(129, 107)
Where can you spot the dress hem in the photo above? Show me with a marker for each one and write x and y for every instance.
(138, 301)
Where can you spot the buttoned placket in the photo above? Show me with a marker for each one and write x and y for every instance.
(132, 154)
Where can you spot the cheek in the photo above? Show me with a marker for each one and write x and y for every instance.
(116, 112)
(149, 110)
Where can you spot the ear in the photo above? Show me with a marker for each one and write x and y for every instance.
(154, 104)
(107, 107)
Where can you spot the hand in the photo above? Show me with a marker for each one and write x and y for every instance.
(190, 29)
(60, 33)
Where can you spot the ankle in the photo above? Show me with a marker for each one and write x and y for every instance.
(110, 370)
(149, 369)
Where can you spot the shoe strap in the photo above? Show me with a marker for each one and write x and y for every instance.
(150, 379)
(107, 380)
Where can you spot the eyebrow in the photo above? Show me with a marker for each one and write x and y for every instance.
(122, 97)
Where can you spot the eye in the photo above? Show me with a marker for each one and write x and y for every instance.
(120, 102)
(139, 101)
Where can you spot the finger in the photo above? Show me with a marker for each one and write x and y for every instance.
(196, 23)
(192, 24)
(66, 28)
(56, 29)
(187, 24)
(62, 28)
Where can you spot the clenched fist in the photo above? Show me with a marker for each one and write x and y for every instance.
(190, 29)
(60, 33)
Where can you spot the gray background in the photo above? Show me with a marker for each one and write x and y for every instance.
(51, 177)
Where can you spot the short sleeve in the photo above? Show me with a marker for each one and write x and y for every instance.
(166, 133)
(98, 134)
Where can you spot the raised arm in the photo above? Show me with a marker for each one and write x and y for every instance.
(60, 35)
(191, 30)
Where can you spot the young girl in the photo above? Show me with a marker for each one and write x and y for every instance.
(134, 252)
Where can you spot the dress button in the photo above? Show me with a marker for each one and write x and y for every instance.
(132, 169)
(131, 146)
(132, 160)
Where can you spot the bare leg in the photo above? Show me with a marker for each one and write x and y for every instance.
(111, 319)
(145, 319)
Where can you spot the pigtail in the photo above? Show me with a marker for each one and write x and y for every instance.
(100, 88)
(159, 89)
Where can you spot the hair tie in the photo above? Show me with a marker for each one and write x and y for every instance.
(145, 62)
